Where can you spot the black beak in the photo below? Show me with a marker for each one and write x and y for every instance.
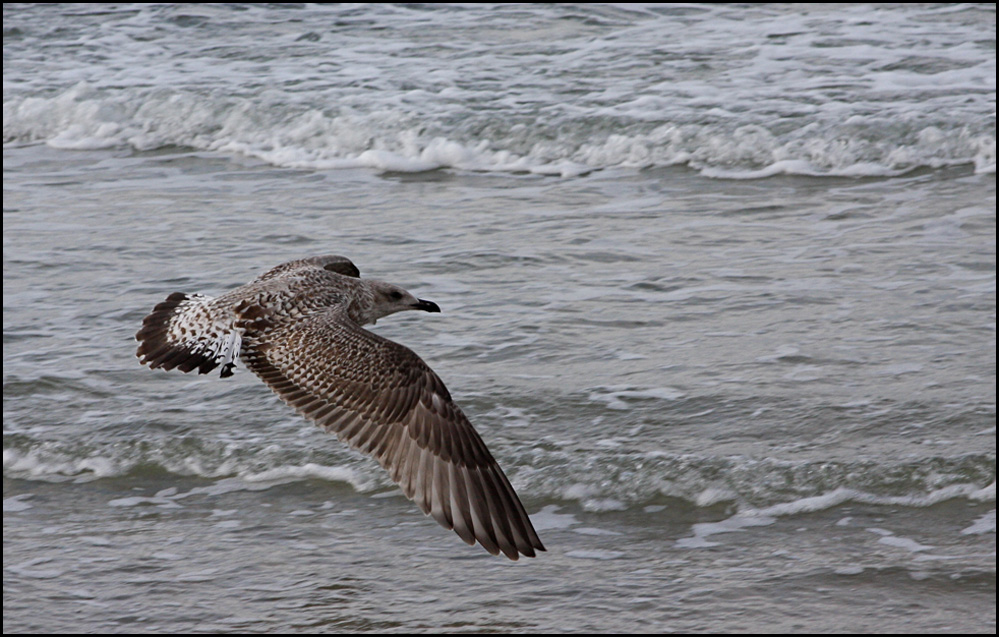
(426, 306)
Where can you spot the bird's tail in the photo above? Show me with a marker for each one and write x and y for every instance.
(188, 332)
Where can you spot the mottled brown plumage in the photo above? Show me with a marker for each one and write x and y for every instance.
(298, 327)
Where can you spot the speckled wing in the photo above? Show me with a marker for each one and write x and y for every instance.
(194, 331)
(382, 399)
(188, 332)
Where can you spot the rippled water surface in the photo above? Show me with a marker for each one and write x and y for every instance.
(718, 290)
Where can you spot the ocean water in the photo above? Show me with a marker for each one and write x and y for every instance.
(718, 291)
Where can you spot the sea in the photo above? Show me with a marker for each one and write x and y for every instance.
(718, 286)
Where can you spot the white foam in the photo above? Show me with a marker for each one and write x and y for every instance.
(735, 523)
(361, 482)
(714, 495)
(984, 524)
(750, 517)
(132, 501)
(624, 397)
(550, 518)
(230, 473)
(17, 503)
(42, 463)
(589, 530)
(904, 543)
(594, 554)
(288, 133)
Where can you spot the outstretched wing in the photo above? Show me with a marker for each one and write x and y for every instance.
(382, 399)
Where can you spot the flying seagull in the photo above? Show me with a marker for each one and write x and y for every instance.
(299, 328)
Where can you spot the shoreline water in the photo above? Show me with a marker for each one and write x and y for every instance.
(730, 405)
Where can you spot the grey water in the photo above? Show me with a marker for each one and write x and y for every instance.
(722, 306)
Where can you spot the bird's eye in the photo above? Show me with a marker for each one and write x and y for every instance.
(395, 295)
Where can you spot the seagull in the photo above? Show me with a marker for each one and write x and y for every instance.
(299, 328)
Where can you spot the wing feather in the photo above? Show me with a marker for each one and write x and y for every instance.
(383, 400)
